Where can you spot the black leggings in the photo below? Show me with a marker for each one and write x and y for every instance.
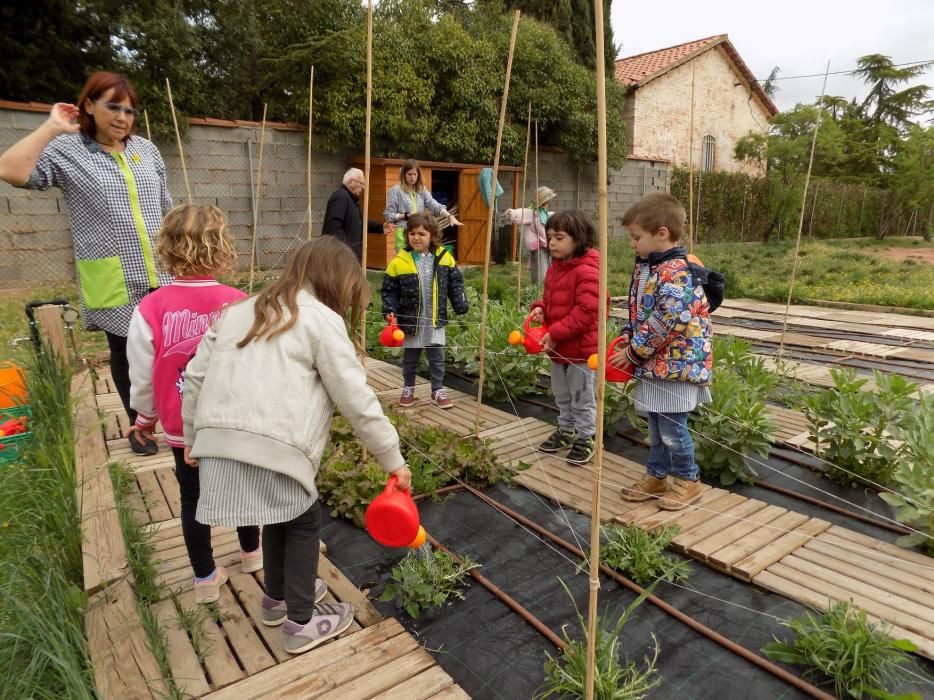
(198, 535)
(120, 371)
(290, 562)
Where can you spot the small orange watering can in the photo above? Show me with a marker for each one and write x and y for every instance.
(532, 337)
(392, 518)
(613, 374)
(391, 336)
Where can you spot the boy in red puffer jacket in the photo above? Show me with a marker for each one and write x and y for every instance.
(569, 309)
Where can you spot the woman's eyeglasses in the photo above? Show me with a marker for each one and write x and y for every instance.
(114, 108)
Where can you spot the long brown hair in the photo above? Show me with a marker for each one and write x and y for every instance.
(328, 269)
(427, 221)
(407, 166)
(97, 84)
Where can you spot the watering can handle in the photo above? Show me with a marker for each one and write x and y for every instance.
(391, 485)
(613, 345)
(391, 319)
(528, 322)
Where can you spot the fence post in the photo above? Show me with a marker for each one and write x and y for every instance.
(742, 219)
(700, 180)
(840, 209)
(859, 226)
(813, 207)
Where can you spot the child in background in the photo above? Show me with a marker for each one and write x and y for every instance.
(418, 283)
(165, 330)
(569, 309)
(259, 397)
(669, 348)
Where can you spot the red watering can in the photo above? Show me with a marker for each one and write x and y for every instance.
(392, 518)
(532, 339)
(391, 336)
(613, 374)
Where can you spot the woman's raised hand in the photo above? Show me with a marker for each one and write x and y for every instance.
(63, 118)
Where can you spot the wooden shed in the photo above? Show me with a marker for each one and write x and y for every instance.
(449, 183)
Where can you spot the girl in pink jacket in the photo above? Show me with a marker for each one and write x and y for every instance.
(195, 246)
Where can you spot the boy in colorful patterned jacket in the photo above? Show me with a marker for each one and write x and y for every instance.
(668, 347)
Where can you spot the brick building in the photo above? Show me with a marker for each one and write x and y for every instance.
(728, 103)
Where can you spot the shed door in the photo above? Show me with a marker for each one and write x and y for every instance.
(473, 214)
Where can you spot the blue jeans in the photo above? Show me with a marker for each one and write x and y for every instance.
(671, 448)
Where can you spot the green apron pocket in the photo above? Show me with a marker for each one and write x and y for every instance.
(102, 283)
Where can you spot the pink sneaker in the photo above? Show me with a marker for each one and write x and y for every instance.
(408, 397)
(210, 590)
(440, 399)
(251, 561)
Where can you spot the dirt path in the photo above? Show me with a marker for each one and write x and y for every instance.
(917, 254)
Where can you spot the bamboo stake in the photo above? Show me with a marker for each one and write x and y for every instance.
(859, 225)
(311, 89)
(523, 202)
(807, 181)
(489, 222)
(691, 169)
(602, 224)
(840, 209)
(259, 188)
(366, 154)
(146, 120)
(178, 138)
(813, 207)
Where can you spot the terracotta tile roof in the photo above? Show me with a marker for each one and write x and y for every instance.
(636, 71)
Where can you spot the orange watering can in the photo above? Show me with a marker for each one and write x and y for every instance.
(392, 518)
(531, 339)
(391, 336)
(613, 374)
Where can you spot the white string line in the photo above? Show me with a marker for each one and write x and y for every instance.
(606, 480)
(762, 433)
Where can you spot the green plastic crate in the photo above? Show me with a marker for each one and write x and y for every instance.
(14, 445)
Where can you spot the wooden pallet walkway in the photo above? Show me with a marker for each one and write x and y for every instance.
(803, 558)
(230, 654)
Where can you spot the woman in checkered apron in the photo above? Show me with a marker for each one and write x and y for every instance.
(114, 186)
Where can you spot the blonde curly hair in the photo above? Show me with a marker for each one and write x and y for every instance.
(194, 240)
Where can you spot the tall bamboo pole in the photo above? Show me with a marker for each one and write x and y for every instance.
(691, 168)
(259, 189)
(178, 139)
(311, 89)
(366, 147)
(522, 203)
(146, 121)
(484, 302)
(813, 207)
(807, 181)
(602, 224)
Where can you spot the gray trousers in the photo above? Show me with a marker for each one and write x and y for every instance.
(572, 386)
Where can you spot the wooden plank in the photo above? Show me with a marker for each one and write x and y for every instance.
(104, 660)
(170, 490)
(369, 648)
(851, 554)
(183, 661)
(897, 555)
(153, 496)
(125, 630)
(736, 531)
(757, 561)
(219, 662)
(386, 677)
(344, 590)
(742, 548)
(872, 576)
(250, 596)
(840, 592)
(663, 518)
(425, 685)
(103, 551)
(245, 641)
(688, 538)
(696, 514)
(453, 692)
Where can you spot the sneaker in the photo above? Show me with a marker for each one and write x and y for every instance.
(408, 397)
(581, 450)
(646, 488)
(251, 561)
(210, 590)
(683, 493)
(142, 445)
(440, 399)
(328, 621)
(275, 612)
(559, 440)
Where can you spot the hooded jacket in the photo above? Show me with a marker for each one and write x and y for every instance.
(401, 293)
(571, 306)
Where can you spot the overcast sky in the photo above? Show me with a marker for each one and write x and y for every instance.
(798, 36)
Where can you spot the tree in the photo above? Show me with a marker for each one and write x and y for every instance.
(48, 48)
(913, 177)
(886, 104)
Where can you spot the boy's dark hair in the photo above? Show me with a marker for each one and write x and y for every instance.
(577, 225)
(428, 222)
(654, 210)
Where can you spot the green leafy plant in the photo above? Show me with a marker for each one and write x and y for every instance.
(913, 497)
(426, 579)
(854, 428)
(859, 657)
(641, 554)
(614, 679)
